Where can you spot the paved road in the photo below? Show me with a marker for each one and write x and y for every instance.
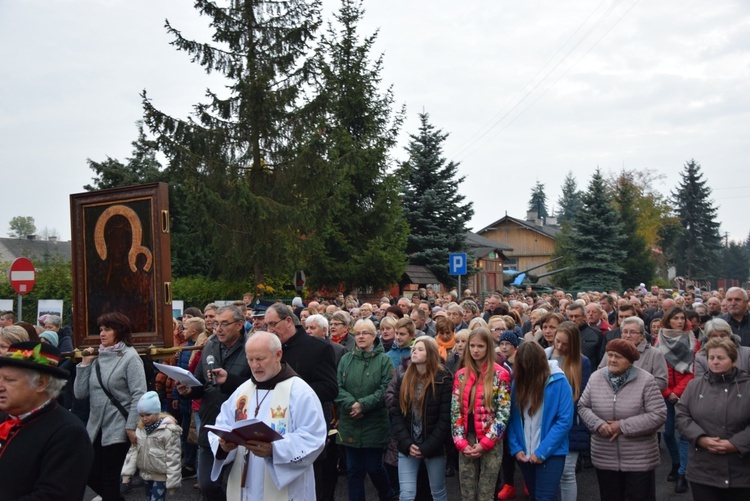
(588, 488)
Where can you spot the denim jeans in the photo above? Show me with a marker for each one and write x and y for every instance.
(408, 468)
(679, 454)
(156, 491)
(366, 460)
(543, 479)
(568, 486)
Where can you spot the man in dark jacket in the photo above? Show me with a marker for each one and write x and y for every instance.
(45, 452)
(591, 339)
(225, 352)
(737, 315)
(314, 361)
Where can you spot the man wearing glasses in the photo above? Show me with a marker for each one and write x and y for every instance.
(314, 361)
(222, 369)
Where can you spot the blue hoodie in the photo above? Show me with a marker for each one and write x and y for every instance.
(557, 418)
(399, 353)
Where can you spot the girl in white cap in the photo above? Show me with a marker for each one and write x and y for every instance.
(157, 451)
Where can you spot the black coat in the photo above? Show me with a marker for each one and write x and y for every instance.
(313, 360)
(48, 458)
(591, 342)
(436, 417)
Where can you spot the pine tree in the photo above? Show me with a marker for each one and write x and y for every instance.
(734, 262)
(436, 212)
(639, 265)
(597, 240)
(142, 167)
(538, 201)
(695, 250)
(360, 234)
(570, 201)
(238, 155)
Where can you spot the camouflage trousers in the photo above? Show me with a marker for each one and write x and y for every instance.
(477, 477)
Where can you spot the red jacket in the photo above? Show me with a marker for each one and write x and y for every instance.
(676, 381)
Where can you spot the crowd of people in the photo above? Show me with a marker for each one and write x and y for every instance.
(406, 391)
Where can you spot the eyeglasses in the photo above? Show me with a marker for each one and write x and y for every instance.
(224, 325)
(496, 329)
(362, 333)
(337, 324)
(630, 333)
(272, 324)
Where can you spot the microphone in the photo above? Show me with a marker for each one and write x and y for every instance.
(210, 361)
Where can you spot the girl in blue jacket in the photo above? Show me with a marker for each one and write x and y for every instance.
(541, 415)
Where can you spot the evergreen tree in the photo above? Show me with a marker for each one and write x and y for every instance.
(360, 234)
(639, 265)
(142, 167)
(238, 155)
(570, 201)
(695, 249)
(597, 240)
(538, 201)
(735, 262)
(563, 249)
(436, 212)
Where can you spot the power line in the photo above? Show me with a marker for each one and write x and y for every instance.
(503, 114)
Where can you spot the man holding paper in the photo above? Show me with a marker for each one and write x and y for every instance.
(282, 469)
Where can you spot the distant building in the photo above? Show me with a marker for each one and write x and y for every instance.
(531, 241)
(38, 251)
(489, 257)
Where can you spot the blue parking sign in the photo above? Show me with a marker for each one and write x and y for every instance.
(457, 263)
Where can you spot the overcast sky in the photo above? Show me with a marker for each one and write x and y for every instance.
(528, 90)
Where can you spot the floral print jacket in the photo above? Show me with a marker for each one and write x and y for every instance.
(489, 424)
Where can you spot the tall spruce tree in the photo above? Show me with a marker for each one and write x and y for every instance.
(695, 249)
(639, 265)
(570, 201)
(360, 231)
(435, 210)
(238, 155)
(538, 201)
(597, 240)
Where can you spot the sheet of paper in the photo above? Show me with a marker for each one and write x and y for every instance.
(178, 374)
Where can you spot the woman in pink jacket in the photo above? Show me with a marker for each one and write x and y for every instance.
(480, 406)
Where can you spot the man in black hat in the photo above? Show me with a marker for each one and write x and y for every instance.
(45, 452)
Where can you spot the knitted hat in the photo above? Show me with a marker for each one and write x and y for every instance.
(50, 336)
(624, 348)
(510, 337)
(149, 403)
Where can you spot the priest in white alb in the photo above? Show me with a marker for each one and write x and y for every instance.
(279, 470)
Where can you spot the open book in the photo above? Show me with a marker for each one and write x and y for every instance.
(247, 429)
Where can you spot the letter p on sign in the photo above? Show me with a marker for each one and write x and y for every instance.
(457, 263)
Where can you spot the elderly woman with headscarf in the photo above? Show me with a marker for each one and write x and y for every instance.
(623, 408)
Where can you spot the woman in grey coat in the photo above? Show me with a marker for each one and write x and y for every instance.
(623, 408)
(719, 328)
(715, 418)
(112, 421)
(650, 359)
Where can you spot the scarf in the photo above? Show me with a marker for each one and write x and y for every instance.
(152, 427)
(617, 381)
(117, 346)
(339, 339)
(677, 348)
(445, 346)
(7, 426)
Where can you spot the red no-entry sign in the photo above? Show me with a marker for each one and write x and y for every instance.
(22, 275)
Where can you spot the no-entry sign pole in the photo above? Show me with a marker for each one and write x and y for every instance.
(22, 278)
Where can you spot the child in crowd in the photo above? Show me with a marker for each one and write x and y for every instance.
(157, 452)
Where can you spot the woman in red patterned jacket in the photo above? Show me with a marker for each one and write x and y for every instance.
(480, 407)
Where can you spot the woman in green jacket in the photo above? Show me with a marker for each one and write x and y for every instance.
(363, 375)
